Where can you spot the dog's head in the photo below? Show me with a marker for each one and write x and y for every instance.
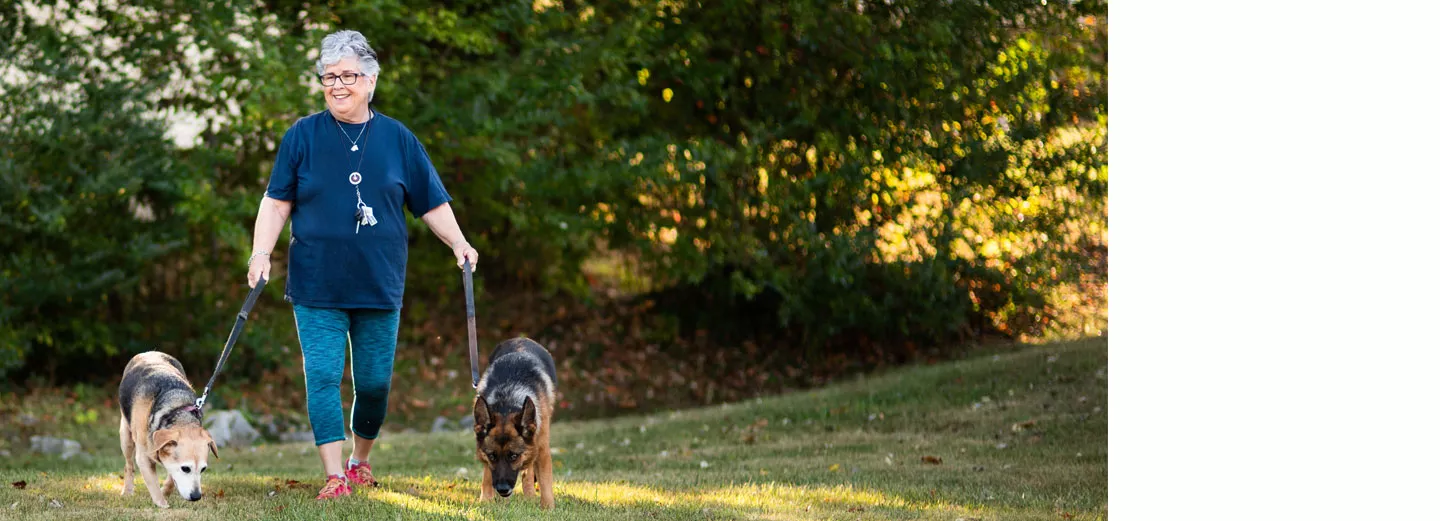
(505, 442)
(185, 452)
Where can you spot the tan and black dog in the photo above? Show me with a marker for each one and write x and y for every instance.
(513, 408)
(159, 422)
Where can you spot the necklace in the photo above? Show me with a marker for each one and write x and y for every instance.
(364, 215)
(354, 143)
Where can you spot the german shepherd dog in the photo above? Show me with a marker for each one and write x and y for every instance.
(512, 420)
(159, 423)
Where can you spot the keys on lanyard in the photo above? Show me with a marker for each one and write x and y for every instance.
(364, 215)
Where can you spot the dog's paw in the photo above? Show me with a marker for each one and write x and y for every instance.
(162, 504)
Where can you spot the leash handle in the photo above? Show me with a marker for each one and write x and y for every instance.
(470, 324)
(230, 343)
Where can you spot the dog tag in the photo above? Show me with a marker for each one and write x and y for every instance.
(354, 148)
(355, 178)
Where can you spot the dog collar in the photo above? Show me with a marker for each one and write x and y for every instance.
(168, 418)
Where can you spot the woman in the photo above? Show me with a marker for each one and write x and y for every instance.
(341, 176)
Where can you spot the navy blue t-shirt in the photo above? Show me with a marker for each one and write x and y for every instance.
(330, 264)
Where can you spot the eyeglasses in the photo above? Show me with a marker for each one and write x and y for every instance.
(348, 78)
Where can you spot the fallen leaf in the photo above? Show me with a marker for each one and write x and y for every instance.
(933, 460)
(835, 468)
(1067, 515)
(855, 509)
(18, 484)
(280, 508)
(219, 493)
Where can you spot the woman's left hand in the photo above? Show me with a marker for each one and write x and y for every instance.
(464, 251)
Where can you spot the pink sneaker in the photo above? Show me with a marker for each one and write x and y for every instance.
(335, 486)
(360, 474)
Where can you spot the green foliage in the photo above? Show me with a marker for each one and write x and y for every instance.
(918, 169)
(870, 167)
(108, 231)
(87, 201)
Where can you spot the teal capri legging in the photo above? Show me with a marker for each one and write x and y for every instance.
(324, 333)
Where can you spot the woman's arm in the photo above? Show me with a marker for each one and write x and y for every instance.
(268, 223)
(441, 221)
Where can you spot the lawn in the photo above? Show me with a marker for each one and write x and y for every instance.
(1007, 433)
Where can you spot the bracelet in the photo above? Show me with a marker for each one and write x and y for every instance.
(256, 254)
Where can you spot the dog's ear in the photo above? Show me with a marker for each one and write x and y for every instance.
(482, 415)
(162, 439)
(525, 422)
(211, 441)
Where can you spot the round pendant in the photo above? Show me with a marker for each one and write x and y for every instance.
(354, 178)
(354, 148)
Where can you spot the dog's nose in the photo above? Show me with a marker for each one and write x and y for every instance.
(504, 489)
(195, 496)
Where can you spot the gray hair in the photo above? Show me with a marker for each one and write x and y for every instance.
(348, 44)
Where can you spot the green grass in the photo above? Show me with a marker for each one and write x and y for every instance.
(849, 451)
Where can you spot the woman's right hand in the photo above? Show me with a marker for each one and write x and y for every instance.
(259, 268)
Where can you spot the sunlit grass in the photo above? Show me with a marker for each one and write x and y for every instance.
(1019, 435)
(416, 504)
(617, 494)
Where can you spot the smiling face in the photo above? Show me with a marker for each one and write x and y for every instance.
(349, 103)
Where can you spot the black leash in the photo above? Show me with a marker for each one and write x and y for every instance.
(470, 325)
(230, 344)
